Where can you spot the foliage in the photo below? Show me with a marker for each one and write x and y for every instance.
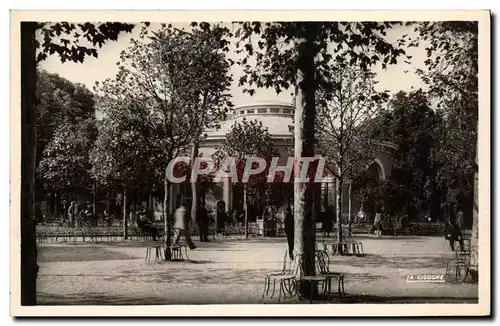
(344, 122)
(59, 101)
(118, 157)
(452, 77)
(166, 92)
(65, 165)
(249, 138)
(273, 45)
(415, 128)
(65, 39)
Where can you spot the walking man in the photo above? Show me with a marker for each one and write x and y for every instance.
(181, 226)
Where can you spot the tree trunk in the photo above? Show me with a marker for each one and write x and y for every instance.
(166, 217)
(56, 211)
(194, 186)
(108, 202)
(94, 200)
(305, 225)
(29, 267)
(125, 222)
(245, 210)
(150, 200)
(350, 218)
(474, 258)
(340, 184)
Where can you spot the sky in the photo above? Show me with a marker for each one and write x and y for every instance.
(395, 78)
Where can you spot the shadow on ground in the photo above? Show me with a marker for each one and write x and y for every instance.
(63, 253)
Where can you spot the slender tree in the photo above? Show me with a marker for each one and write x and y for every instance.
(161, 93)
(343, 122)
(247, 139)
(210, 87)
(119, 159)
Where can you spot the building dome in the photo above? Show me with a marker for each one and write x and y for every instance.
(277, 117)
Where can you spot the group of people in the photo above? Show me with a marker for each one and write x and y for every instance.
(78, 215)
(181, 226)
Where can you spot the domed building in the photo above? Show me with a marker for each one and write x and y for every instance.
(277, 117)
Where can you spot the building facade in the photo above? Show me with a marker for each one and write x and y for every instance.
(277, 117)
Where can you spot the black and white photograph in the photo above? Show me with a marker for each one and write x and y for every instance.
(251, 159)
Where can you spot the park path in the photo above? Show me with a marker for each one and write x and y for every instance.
(231, 271)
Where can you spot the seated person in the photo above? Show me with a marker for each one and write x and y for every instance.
(145, 225)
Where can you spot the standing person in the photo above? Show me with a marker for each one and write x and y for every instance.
(107, 218)
(377, 224)
(181, 226)
(203, 222)
(289, 229)
(452, 234)
(71, 213)
(327, 222)
(460, 220)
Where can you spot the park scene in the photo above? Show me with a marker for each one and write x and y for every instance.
(249, 163)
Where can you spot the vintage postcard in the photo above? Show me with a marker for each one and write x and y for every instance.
(316, 163)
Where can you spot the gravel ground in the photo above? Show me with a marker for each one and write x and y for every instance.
(232, 271)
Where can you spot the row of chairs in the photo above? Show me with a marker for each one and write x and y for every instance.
(65, 233)
(155, 252)
(292, 276)
(348, 245)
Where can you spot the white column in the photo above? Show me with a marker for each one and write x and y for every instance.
(227, 192)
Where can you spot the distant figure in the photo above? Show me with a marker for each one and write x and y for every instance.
(460, 220)
(360, 216)
(181, 226)
(71, 213)
(269, 222)
(377, 224)
(144, 224)
(203, 222)
(107, 218)
(452, 233)
(289, 229)
(327, 222)
(132, 216)
(82, 217)
(404, 222)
